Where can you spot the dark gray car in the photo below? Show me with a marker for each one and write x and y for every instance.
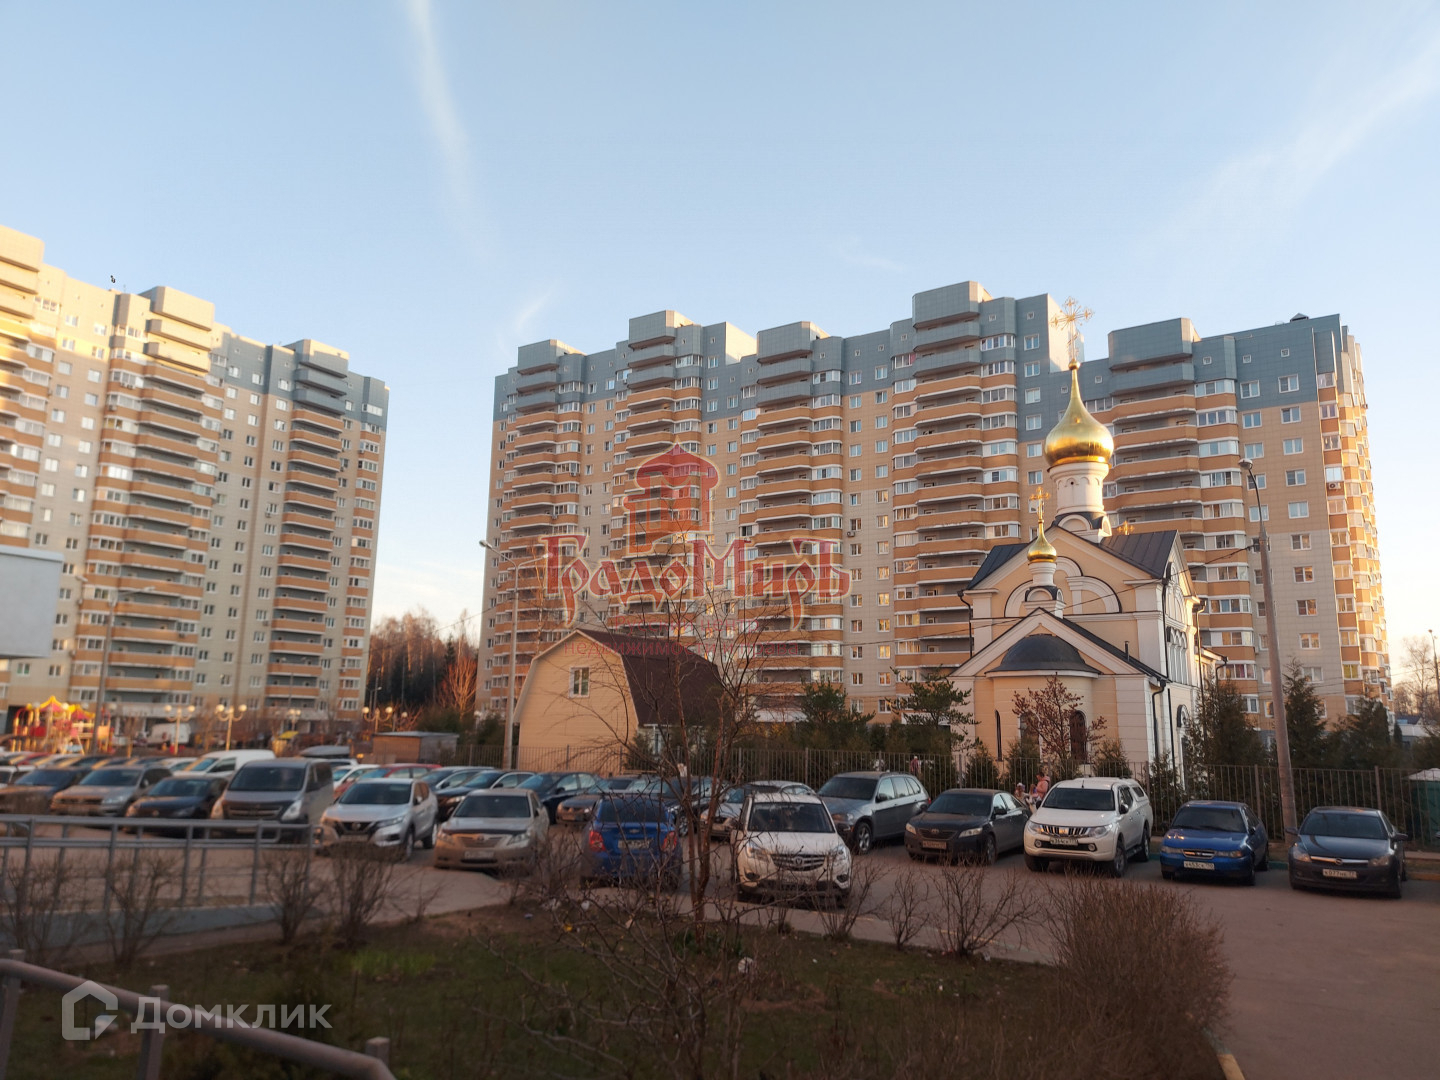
(969, 823)
(871, 806)
(1350, 848)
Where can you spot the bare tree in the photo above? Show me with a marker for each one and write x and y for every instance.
(973, 916)
(1052, 713)
(904, 909)
(42, 909)
(291, 890)
(136, 911)
(360, 883)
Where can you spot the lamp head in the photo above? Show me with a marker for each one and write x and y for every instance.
(1247, 464)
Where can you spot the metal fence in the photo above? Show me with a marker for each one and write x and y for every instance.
(1410, 800)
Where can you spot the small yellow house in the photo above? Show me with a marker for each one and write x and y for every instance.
(591, 693)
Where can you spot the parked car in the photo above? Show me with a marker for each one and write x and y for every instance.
(727, 813)
(690, 792)
(1348, 847)
(400, 771)
(178, 797)
(291, 791)
(226, 762)
(967, 823)
(553, 788)
(871, 806)
(493, 827)
(1209, 838)
(107, 791)
(31, 793)
(88, 762)
(1096, 819)
(787, 843)
(452, 797)
(577, 810)
(447, 775)
(386, 813)
(634, 838)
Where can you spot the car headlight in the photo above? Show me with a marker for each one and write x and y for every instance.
(1170, 844)
(518, 838)
(839, 853)
(968, 832)
(1099, 830)
(390, 823)
(843, 819)
(910, 828)
(1031, 827)
(218, 810)
(1299, 854)
(113, 800)
(1381, 860)
(1233, 853)
(293, 811)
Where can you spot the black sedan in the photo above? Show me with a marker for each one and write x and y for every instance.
(553, 788)
(967, 823)
(31, 794)
(178, 797)
(1350, 848)
(447, 799)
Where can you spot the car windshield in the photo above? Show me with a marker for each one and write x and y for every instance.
(178, 787)
(621, 810)
(494, 806)
(483, 779)
(1211, 818)
(806, 817)
(1351, 826)
(962, 803)
(623, 783)
(361, 774)
(541, 782)
(850, 787)
(268, 778)
(112, 778)
(204, 764)
(455, 779)
(44, 778)
(1080, 798)
(376, 793)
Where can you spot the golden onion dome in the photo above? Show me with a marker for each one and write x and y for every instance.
(1040, 549)
(1078, 436)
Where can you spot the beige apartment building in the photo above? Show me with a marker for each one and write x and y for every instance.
(906, 454)
(214, 499)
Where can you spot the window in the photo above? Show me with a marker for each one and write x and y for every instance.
(1299, 541)
(1304, 574)
(1254, 450)
(1309, 641)
(1294, 477)
(1250, 419)
(1290, 415)
(1250, 389)
(1294, 446)
(1032, 341)
(1032, 368)
(1289, 384)
(580, 682)
(1304, 607)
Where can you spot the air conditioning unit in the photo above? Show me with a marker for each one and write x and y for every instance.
(849, 532)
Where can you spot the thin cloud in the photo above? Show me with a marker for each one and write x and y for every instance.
(847, 250)
(438, 102)
(1253, 191)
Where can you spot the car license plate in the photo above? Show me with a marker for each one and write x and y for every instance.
(635, 845)
(934, 845)
(472, 856)
(1348, 875)
(1195, 865)
(1063, 842)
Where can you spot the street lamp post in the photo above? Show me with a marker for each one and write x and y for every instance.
(105, 655)
(1277, 692)
(514, 697)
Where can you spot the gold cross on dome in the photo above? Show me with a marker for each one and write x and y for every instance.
(1069, 318)
(1040, 496)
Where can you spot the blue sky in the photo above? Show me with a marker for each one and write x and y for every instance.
(430, 185)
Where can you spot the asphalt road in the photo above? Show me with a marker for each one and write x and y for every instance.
(1327, 986)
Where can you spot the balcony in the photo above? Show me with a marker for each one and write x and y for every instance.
(784, 369)
(950, 334)
(786, 393)
(947, 363)
(1122, 382)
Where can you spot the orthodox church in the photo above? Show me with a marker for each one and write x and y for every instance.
(1112, 616)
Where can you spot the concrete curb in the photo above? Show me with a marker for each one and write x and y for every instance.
(1228, 1065)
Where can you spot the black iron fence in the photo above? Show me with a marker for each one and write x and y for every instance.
(1410, 799)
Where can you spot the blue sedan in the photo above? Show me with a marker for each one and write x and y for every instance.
(634, 838)
(1216, 840)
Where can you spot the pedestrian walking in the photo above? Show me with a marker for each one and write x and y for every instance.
(914, 764)
(1020, 794)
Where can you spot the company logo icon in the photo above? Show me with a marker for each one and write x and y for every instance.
(72, 1032)
(674, 497)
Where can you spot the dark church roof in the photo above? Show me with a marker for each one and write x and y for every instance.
(1150, 551)
(1043, 652)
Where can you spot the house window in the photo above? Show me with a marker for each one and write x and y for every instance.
(580, 682)
(1290, 415)
(1289, 384)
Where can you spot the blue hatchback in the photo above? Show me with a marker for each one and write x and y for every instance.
(1215, 839)
(634, 838)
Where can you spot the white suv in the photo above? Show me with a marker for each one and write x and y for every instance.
(1097, 819)
(787, 843)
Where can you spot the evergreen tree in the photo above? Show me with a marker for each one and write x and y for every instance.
(981, 770)
(1110, 759)
(1310, 744)
(1220, 734)
(1364, 738)
(1022, 762)
(827, 720)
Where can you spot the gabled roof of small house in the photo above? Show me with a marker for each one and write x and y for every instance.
(663, 675)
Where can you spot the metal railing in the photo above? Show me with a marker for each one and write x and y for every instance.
(196, 845)
(14, 972)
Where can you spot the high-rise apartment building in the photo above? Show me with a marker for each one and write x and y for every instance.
(908, 452)
(214, 499)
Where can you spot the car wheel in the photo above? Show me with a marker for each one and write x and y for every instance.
(1034, 862)
(987, 850)
(429, 842)
(407, 845)
(915, 856)
(1116, 867)
(1142, 853)
(1264, 862)
(862, 837)
(1393, 892)
(1249, 878)
(1168, 875)
(1295, 884)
